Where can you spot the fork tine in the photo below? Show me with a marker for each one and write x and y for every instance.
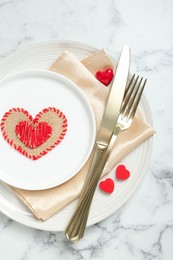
(129, 85)
(138, 97)
(128, 93)
(132, 97)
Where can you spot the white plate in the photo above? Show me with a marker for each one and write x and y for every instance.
(35, 91)
(40, 56)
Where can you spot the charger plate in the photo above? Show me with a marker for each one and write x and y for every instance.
(40, 56)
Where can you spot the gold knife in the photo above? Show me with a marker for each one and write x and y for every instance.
(76, 227)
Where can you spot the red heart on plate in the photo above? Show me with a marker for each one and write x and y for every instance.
(122, 173)
(34, 137)
(105, 77)
(107, 185)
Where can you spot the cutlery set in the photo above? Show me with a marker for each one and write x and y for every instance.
(121, 106)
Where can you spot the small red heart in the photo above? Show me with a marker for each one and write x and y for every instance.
(122, 173)
(105, 77)
(33, 135)
(107, 185)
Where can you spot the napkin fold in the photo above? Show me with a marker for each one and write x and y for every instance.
(45, 203)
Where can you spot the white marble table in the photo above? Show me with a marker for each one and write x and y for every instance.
(143, 228)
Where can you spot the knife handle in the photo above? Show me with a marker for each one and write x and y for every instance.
(77, 224)
(98, 153)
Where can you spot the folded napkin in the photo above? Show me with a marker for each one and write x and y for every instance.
(45, 203)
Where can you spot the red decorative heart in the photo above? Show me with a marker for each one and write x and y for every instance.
(107, 185)
(122, 173)
(105, 77)
(34, 137)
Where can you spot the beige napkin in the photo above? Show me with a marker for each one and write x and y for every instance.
(45, 203)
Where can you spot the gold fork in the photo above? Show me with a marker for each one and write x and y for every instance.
(77, 224)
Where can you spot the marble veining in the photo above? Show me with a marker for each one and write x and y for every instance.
(143, 228)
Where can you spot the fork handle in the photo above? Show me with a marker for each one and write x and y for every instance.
(77, 224)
